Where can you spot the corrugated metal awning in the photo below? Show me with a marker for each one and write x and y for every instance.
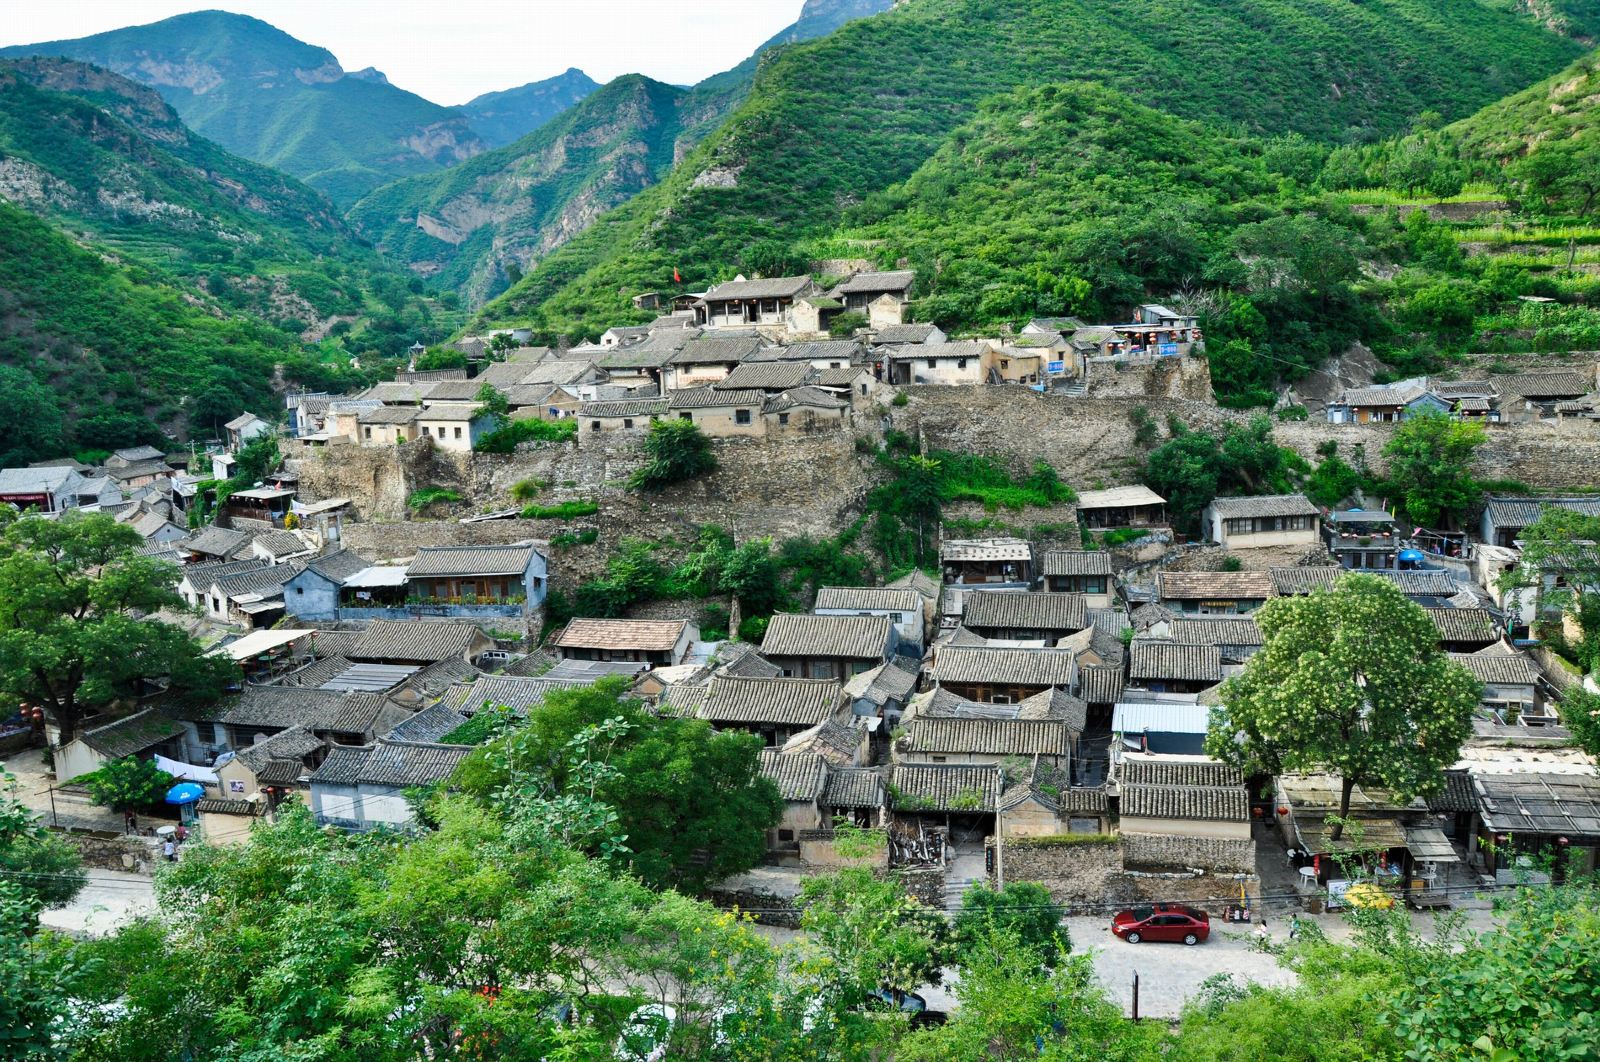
(1429, 844)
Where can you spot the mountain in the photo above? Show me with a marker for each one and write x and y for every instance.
(96, 355)
(1562, 108)
(498, 118)
(110, 159)
(470, 226)
(476, 227)
(263, 94)
(152, 284)
(832, 121)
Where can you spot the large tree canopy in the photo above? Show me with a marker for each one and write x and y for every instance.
(691, 805)
(1350, 681)
(76, 630)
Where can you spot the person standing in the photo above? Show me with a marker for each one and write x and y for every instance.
(181, 833)
(130, 821)
(169, 849)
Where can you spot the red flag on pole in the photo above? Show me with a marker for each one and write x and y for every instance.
(676, 279)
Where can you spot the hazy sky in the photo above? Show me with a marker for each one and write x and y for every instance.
(452, 50)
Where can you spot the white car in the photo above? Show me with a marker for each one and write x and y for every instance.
(646, 1034)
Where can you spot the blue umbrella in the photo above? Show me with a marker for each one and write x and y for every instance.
(185, 793)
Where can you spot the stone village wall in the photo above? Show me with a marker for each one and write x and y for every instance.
(1096, 876)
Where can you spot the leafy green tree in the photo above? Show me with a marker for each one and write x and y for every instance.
(1559, 569)
(42, 866)
(494, 400)
(1430, 466)
(908, 509)
(36, 981)
(1526, 989)
(1350, 681)
(1296, 254)
(76, 619)
(1563, 174)
(868, 933)
(128, 783)
(1013, 1009)
(678, 451)
(847, 324)
(1580, 713)
(1023, 909)
(691, 804)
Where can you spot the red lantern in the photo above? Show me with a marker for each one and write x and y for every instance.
(1282, 810)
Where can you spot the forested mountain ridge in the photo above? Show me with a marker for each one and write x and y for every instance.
(832, 121)
(472, 227)
(498, 118)
(265, 95)
(477, 227)
(108, 158)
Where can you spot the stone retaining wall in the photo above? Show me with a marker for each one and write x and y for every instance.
(114, 853)
(1149, 851)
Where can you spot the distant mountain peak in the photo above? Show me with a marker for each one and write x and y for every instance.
(370, 73)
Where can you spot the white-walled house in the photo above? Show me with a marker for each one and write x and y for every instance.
(363, 787)
(1273, 520)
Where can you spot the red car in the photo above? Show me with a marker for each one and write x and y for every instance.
(1166, 922)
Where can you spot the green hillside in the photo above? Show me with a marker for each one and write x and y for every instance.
(96, 355)
(472, 227)
(264, 95)
(830, 122)
(108, 158)
(479, 226)
(498, 118)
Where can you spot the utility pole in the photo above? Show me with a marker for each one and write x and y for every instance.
(1136, 995)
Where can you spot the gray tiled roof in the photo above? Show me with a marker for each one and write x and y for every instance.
(1187, 770)
(1222, 630)
(1265, 505)
(395, 764)
(999, 609)
(799, 775)
(1074, 562)
(1427, 583)
(766, 376)
(293, 743)
(857, 787)
(218, 806)
(414, 641)
(864, 283)
(988, 737)
(1209, 803)
(936, 787)
(428, 725)
(1464, 624)
(1187, 586)
(1102, 683)
(1546, 384)
(217, 542)
(1303, 580)
(624, 407)
(339, 565)
(464, 412)
(471, 560)
(1174, 661)
(966, 348)
(713, 349)
(280, 707)
(513, 692)
(830, 739)
(1522, 511)
(812, 397)
(904, 333)
(280, 543)
(1018, 667)
(769, 288)
(647, 635)
(868, 598)
(745, 660)
(1502, 669)
(267, 582)
(131, 735)
(388, 415)
(786, 701)
(1051, 705)
(711, 398)
(848, 637)
(844, 376)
